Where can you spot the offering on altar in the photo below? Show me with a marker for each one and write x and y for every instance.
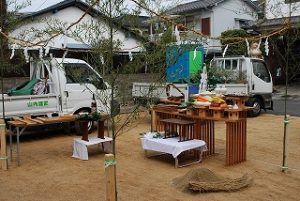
(208, 100)
(217, 101)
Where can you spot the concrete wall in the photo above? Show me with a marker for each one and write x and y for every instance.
(125, 81)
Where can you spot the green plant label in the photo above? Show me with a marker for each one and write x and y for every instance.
(37, 104)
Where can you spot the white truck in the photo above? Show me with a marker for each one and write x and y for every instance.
(144, 90)
(257, 85)
(70, 85)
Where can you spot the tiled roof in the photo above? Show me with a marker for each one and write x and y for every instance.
(276, 23)
(201, 4)
(195, 5)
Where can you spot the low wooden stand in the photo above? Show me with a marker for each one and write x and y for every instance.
(178, 127)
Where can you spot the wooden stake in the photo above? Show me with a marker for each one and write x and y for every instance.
(3, 153)
(153, 121)
(110, 163)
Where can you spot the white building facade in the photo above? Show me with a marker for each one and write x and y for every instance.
(85, 29)
(281, 8)
(216, 16)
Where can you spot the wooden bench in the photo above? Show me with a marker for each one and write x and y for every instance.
(18, 125)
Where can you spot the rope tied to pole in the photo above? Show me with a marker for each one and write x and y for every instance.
(108, 163)
(3, 158)
(286, 120)
(2, 125)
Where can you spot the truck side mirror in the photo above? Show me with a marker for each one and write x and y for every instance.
(100, 84)
(88, 80)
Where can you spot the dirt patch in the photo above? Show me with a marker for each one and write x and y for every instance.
(49, 173)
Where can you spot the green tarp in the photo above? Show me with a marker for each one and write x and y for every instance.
(23, 89)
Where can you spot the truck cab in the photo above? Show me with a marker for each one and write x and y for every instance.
(254, 73)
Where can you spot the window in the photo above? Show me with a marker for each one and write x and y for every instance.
(80, 73)
(260, 70)
(227, 64)
(189, 21)
(234, 64)
(205, 26)
(291, 1)
(76, 73)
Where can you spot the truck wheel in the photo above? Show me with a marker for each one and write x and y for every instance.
(257, 105)
(77, 123)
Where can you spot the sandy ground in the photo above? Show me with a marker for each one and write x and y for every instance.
(48, 172)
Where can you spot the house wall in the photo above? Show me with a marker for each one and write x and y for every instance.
(227, 13)
(66, 17)
(223, 17)
(279, 9)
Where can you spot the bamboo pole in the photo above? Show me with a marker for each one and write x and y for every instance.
(111, 194)
(284, 167)
(3, 153)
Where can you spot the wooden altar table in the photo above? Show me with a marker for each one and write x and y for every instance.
(204, 119)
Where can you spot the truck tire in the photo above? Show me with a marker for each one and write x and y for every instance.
(257, 105)
(77, 123)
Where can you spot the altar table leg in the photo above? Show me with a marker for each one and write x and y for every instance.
(236, 142)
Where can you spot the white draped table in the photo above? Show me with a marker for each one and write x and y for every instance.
(80, 146)
(173, 146)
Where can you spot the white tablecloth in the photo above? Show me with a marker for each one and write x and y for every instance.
(171, 145)
(80, 146)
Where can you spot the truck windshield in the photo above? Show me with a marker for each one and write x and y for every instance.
(81, 73)
(261, 71)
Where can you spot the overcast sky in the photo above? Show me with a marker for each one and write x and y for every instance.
(41, 4)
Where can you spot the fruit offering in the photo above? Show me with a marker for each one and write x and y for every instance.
(217, 101)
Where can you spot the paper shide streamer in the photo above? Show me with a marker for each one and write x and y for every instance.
(13, 49)
(130, 55)
(101, 59)
(225, 50)
(195, 53)
(208, 42)
(47, 50)
(267, 46)
(41, 53)
(248, 47)
(26, 55)
(176, 32)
